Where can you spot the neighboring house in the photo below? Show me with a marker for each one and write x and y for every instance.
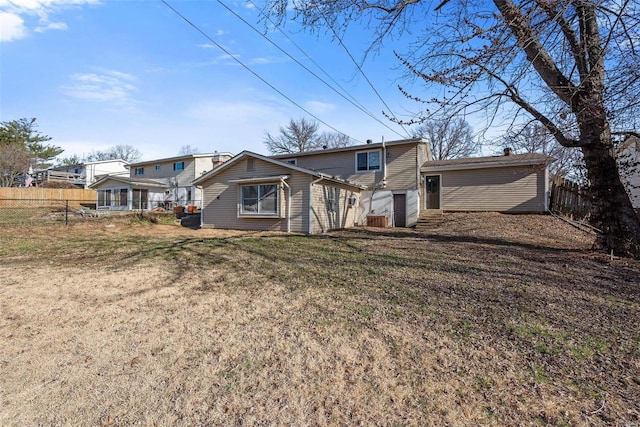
(628, 157)
(83, 174)
(163, 182)
(384, 184)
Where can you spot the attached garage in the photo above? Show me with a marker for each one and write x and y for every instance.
(516, 183)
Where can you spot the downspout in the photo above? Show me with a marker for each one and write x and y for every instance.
(288, 204)
(199, 187)
(384, 164)
(383, 183)
(311, 202)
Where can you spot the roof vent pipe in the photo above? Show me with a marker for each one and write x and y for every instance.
(369, 141)
(507, 151)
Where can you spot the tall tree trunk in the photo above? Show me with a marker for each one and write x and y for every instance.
(611, 209)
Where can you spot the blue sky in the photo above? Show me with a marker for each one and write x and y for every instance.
(101, 73)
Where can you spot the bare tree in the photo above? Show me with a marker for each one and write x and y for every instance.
(448, 138)
(298, 136)
(333, 140)
(14, 162)
(127, 153)
(550, 61)
(535, 138)
(187, 149)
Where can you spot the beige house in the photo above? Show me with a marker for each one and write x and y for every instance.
(254, 192)
(386, 184)
(510, 183)
(163, 182)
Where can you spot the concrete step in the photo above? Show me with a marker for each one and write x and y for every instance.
(429, 219)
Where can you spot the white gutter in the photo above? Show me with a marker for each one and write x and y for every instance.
(282, 180)
(311, 202)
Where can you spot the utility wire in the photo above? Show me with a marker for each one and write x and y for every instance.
(337, 36)
(352, 101)
(355, 101)
(251, 71)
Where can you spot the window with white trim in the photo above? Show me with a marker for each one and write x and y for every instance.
(178, 166)
(138, 171)
(291, 161)
(368, 161)
(259, 199)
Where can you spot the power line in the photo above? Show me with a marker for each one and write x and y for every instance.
(194, 26)
(353, 100)
(337, 36)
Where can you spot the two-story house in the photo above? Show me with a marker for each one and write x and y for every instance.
(387, 184)
(163, 182)
(83, 174)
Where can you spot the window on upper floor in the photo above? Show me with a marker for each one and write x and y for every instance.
(368, 160)
(291, 161)
(157, 167)
(178, 166)
(138, 171)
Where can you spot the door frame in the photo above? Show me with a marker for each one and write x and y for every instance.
(424, 183)
(399, 193)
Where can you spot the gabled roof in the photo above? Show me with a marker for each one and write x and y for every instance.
(140, 182)
(245, 153)
(176, 158)
(360, 147)
(487, 162)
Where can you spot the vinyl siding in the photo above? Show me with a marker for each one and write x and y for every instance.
(402, 166)
(507, 189)
(324, 219)
(184, 177)
(202, 165)
(222, 198)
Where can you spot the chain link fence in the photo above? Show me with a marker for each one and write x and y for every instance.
(28, 212)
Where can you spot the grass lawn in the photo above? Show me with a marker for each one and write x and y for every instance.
(486, 319)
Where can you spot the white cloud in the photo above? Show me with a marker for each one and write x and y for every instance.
(318, 107)
(108, 86)
(206, 46)
(51, 26)
(11, 27)
(14, 12)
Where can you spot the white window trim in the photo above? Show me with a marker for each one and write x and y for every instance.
(243, 214)
(379, 151)
(135, 171)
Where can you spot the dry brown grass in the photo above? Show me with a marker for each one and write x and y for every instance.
(487, 320)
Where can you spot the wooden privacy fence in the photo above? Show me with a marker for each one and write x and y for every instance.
(569, 198)
(37, 195)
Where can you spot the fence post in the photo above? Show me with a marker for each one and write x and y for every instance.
(66, 212)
